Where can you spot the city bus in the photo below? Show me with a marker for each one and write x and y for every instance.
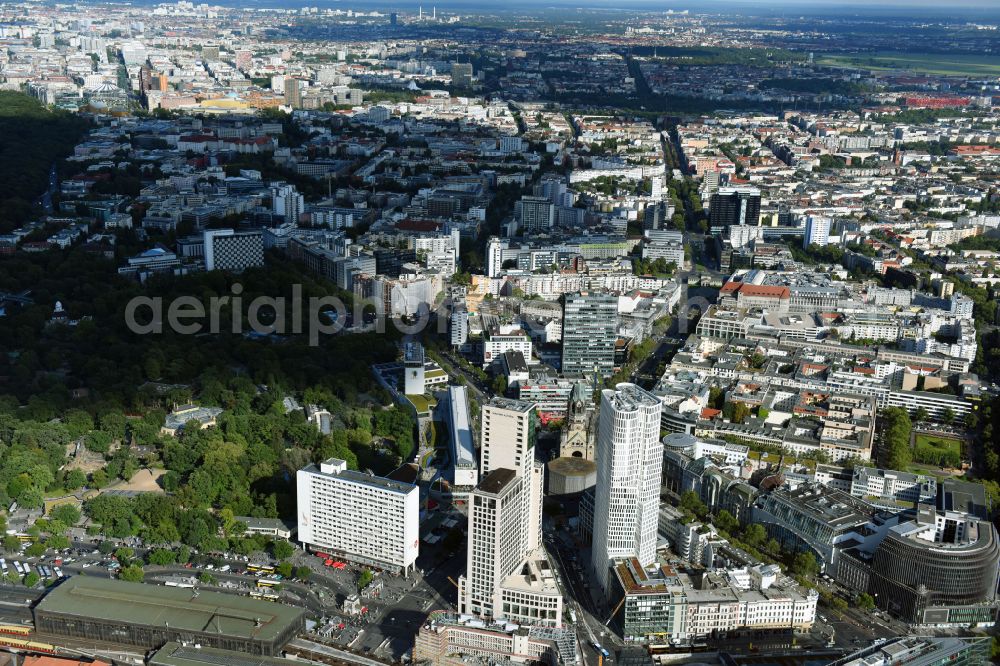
(265, 583)
(267, 596)
(177, 583)
(260, 568)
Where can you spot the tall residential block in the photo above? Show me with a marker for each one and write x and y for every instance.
(537, 214)
(459, 326)
(817, 231)
(461, 75)
(732, 206)
(293, 92)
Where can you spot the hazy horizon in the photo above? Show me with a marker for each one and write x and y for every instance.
(956, 11)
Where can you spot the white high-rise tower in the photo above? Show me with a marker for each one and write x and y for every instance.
(508, 441)
(629, 462)
(496, 522)
(494, 256)
(507, 574)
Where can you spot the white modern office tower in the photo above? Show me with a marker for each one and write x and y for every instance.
(817, 231)
(367, 519)
(508, 438)
(507, 574)
(507, 441)
(629, 462)
(287, 202)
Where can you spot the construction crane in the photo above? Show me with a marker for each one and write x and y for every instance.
(452, 581)
(615, 611)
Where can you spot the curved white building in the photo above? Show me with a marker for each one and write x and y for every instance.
(629, 462)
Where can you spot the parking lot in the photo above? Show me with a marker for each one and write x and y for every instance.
(389, 610)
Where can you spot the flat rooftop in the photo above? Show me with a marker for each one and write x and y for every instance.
(629, 397)
(175, 654)
(497, 480)
(180, 609)
(534, 576)
(462, 446)
(657, 579)
(360, 478)
(265, 523)
(569, 466)
(830, 506)
(405, 473)
(515, 361)
(964, 496)
(520, 406)
(413, 353)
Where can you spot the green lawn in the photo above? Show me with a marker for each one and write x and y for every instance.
(926, 63)
(937, 450)
(764, 456)
(422, 403)
(939, 441)
(441, 435)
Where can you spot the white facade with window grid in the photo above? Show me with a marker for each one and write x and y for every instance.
(496, 523)
(627, 495)
(228, 250)
(366, 519)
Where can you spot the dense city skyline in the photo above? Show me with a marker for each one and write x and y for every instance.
(576, 333)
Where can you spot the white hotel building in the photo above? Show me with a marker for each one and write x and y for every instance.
(366, 519)
(627, 495)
